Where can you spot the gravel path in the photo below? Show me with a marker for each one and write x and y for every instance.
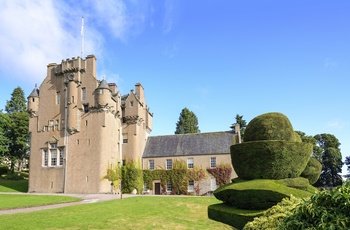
(87, 198)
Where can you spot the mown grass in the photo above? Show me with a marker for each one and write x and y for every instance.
(141, 212)
(10, 201)
(13, 185)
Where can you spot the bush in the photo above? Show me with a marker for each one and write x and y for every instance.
(132, 178)
(298, 183)
(270, 159)
(312, 171)
(274, 216)
(324, 210)
(4, 169)
(269, 126)
(258, 194)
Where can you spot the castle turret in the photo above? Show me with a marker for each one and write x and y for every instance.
(33, 101)
(103, 94)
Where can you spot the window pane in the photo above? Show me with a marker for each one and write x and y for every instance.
(151, 164)
(46, 158)
(53, 157)
(169, 164)
(168, 186)
(213, 162)
(190, 186)
(190, 163)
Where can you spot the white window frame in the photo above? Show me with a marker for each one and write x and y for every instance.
(151, 164)
(190, 186)
(212, 162)
(58, 98)
(125, 138)
(213, 185)
(169, 164)
(169, 186)
(190, 163)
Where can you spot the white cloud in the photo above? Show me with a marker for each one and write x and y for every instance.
(337, 124)
(36, 33)
(168, 22)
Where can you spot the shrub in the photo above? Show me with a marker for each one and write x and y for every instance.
(324, 210)
(274, 216)
(270, 159)
(298, 183)
(269, 126)
(132, 178)
(312, 170)
(4, 169)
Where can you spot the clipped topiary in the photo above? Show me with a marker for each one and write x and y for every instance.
(312, 171)
(270, 159)
(260, 194)
(269, 126)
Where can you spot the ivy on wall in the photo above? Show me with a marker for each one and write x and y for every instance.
(222, 174)
(179, 177)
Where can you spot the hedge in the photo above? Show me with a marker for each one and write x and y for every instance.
(312, 170)
(270, 159)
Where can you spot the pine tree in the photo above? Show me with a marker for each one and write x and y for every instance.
(331, 160)
(188, 123)
(17, 130)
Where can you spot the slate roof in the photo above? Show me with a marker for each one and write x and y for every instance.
(103, 85)
(188, 144)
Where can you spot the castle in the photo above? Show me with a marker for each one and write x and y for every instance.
(78, 126)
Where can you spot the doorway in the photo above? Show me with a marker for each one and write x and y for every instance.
(157, 188)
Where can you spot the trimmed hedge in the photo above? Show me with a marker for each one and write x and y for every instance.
(269, 126)
(270, 159)
(231, 216)
(312, 170)
(260, 194)
(4, 169)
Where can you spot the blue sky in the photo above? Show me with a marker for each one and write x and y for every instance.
(217, 58)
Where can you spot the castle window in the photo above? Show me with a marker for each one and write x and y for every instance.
(169, 186)
(131, 103)
(33, 99)
(72, 99)
(86, 108)
(190, 163)
(190, 186)
(46, 158)
(53, 157)
(86, 123)
(125, 138)
(61, 156)
(58, 98)
(151, 164)
(212, 162)
(83, 94)
(169, 164)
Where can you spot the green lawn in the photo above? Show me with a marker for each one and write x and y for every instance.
(10, 201)
(141, 212)
(13, 185)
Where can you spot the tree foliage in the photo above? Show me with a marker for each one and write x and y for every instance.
(331, 160)
(188, 122)
(242, 124)
(347, 162)
(15, 129)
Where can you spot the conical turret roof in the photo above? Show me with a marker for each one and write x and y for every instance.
(34, 93)
(103, 85)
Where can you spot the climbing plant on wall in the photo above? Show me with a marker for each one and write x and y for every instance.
(222, 174)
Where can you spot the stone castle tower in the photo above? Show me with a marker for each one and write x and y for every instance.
(80, 126)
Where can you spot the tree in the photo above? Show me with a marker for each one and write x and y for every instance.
(4, 141)
(317, 150)
(347, 162)
(188, 122)
(331, 160)
(242, 125)
(16, 128)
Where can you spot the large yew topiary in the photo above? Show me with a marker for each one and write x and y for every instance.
(312, 171)
(269, 126)
(271, 150)
(270, 159)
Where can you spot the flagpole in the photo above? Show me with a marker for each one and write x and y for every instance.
(82, 37)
